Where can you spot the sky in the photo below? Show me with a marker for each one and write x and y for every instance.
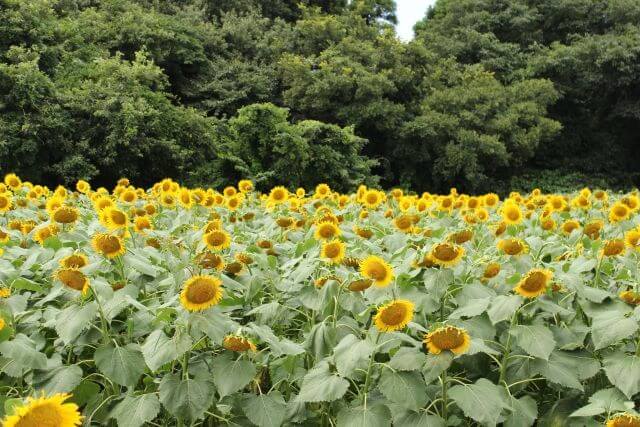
(409, 12)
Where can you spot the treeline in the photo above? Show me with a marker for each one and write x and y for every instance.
(491, 94)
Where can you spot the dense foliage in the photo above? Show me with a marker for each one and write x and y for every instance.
(488, 90)
(174, 306)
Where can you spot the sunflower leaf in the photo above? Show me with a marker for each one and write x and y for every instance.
(74, 319)
(231, 375)
(351, 353)
(610, 327)
(159, 349)
(376, 415)
(185, 398)
(266, 410)
(135, 411)
(503, 306)
(406, 389)
(482, 401)
(623, 370)
(62, 379)
(320, 385)
(22, 351)
(408, 359)
(123, 365)
(536, 340)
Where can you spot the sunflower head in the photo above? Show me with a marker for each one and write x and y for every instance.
(108, 245)
(278, 195)
(376, 269)
(217, 240)
(44, 232)
(394, 316)
(491, 270)
(631, 238)
(73, 279)
(592, 229)
(619, 212)
(75, 260)
(45, 411)
(446, 254)
(513, 246)
(624, 420)
(612, 248)
(534, 283)
(6, 202)
(113, 218)
(461, 237)
(333, 251)
(570, 225)
(360, 285)
(630, 297)
(326, 230)
(511, 213)
(403, 223)
(201, 292)
(65, 215)
(449, 338)
(238, 343)
(142, 224)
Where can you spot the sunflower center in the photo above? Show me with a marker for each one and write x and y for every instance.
(613, 248)
(403, 222)
(73, 279)
(326, 231)
(110, 244)
(445, 252)
(332, 250)
(513, 214)
(215, 238)
(372, 199)
(534, 282)
(393, 315)
(376, 271)
(118, 218)
(4, 202)
(625, 421)
(620, 211)
(201, 291)
(447, 339)
(513, 247)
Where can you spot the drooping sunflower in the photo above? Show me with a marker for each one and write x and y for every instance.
(238, 343)
(326, 230)
(6, 202)
(613, 247)
(632, 239)
(45, 412)
(624, 419)
(461, 237)
(217, 240)
(360, 285)
(511, 213)
(211, 260)
(404, 223)
(201, 292)
(534, 283)
(108, 245)
(491, 270)
(446, 254)
(75, 260)
(450, 338)
(73, 278)
(513, 247)
(42, 233)
(394, 316)
(376, 269)
(619, 212)
(592, 229)
(333, 251)
(630, 297)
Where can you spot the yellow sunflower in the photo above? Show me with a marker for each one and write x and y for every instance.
(5, 202)
(238, 343)
(360, 285)
(326, 230)
(5, 292)
(142, 224)
(404, 223)
(592, 229)
(75, 260)
(513, 246)
(333, 251)
(108, 245)
(44, 232)
(534, 283)
(569, 225)
(511, 213)
(217, 240)
(211, 261)
(446, 254)
(632, 239)
(619, 212)
(73, 278)
(612, 248)
(201, 292)
(65, 215)
(113, 218)
(491, 270)
(13, 181)
(278, 195)
(450, 338)
(623, 420)
(83, 186)
(45, 412)
(630, 297)
(376, 269)
(372, 199)
(394, 316)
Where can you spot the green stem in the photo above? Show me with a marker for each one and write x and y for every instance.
(507, 350)
(103, 320)
(371, 358)
(444, 395)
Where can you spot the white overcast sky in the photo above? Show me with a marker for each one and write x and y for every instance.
(409, 12)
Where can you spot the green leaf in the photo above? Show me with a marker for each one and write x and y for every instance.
(122, 365)
(159, 349)
(623, 370)
(231, 375)
(23, 352)
(265, 410)
(214, 324)
(320, 385)
(279, 346)
(567, 368)
(22, 283)
(482, 401)
(610, 327)
(435, 365)
(62, 379)
(141, 264)
(536, 340)
(135, 411)
(376, 415)
(406, 389)
(503, 306)
(74, 319)
(408, 359)
(185, 398)
(608, 401)
(472, 308)
(419, 419)
(84, 392)
(524, 412)
(351, 353)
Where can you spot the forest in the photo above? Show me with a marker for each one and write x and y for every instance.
(489, 95)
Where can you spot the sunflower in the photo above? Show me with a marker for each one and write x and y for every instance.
(501, 227)
(548, 223)
(108, 245)
(245, 185)
(322, 191)
(83, 186)
(113, 218)
(446, 254)
(142, 223)
(65, 215)
(491, 199)
(619, 212)
(5, 292)
(394, 316)
(44, 232)
(73, 278)
(234, 202)
(201, 292)
(491, 270)
(129, 195)
(404, 223)
(630, 297)
(569, 225)
(211, 260)
(513, 246)
(360, 285)
(372, 199)
(624, 419)
(333, 251)
(511, 213)
(5, 202)
(238, 343)
(102, 202)
(284, 221)
(592, 229)
(76, 260)
(4, 236)
(376, 269)
(217, 240)
(612, 247)
(278, 195)
(45, 412)
(450, 338)
(461, 236)
(326, 230)
(168, 200)
(631, 238)
(534, 283)
(365, 233)
(13, 181)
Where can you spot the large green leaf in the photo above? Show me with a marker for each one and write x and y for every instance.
(503, 306)
(185, 398)
(623, 370)
(482, 401)
(418, 419)
(74, 319)
(408, 359)
(567, 368)
(122, 365)
(351, 353)
(214, 324)
(610, 327)
(524, 412)
(320, 385)
(435, 365)
(372, 415)
(607, 401)
(159, 349)
(62, 379)
(135, 411)
(472, 308)
(265, 410)
(22, 351)
(536, 340)
(406, 389)
(231, 375)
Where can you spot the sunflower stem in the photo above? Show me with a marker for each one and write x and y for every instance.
(103, 320)
(444, 394)
(368, 377)
(507, 350)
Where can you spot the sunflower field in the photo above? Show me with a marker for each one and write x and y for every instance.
(173, 306)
